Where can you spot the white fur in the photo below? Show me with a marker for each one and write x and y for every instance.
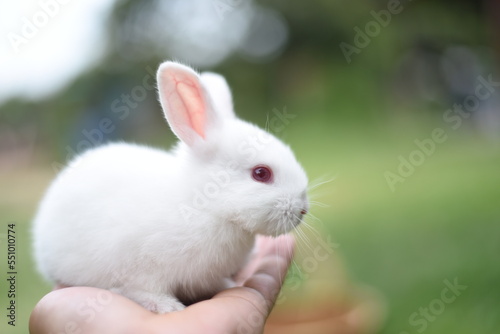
(160, 226)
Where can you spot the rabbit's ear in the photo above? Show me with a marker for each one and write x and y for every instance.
(185, 102)
(220, 93)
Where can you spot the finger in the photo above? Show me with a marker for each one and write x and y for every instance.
(264, 246)
(261, 243)
(271, 271)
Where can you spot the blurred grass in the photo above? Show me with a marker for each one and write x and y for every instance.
(21, 190)
(442, 223)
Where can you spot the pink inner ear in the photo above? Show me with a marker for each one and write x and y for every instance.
(193, 102)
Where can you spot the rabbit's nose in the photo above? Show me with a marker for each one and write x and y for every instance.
(303, 212)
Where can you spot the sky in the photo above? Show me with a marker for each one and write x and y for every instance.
(46, 43)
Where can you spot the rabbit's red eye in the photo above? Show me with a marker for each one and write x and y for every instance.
(262, 174)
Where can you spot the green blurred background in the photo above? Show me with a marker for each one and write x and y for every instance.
(356, 119)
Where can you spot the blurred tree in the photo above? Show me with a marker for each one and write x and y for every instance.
(311, 74)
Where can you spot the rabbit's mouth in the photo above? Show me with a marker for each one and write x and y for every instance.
(298, 218)
(288, 214)
(296, 222)
(282, 216)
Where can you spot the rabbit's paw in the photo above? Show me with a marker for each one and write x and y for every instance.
(163, 304)
(154, 302)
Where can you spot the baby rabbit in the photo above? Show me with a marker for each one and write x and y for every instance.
(161, 227)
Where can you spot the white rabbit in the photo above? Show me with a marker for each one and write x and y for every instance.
(164, 227)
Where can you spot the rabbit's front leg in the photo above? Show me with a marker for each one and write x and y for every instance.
(154, 302)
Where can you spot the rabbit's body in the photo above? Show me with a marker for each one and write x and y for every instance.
(161, 252)
(158, 226)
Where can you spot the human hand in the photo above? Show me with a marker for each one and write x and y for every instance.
(243, 309)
